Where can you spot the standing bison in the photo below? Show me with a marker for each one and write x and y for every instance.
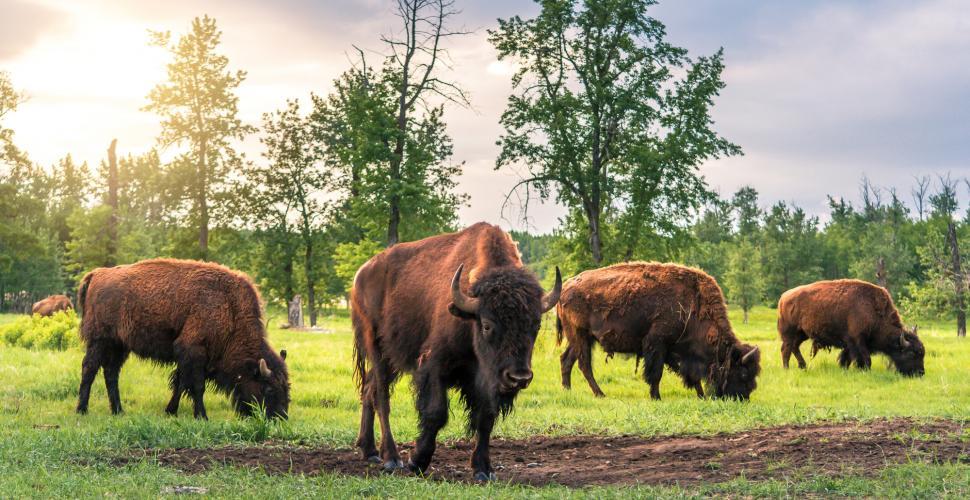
(203, 317)
(666, 313)
(51, 305)
(855, 316)
(474, 332)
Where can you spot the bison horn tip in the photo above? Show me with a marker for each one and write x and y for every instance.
(263, 369)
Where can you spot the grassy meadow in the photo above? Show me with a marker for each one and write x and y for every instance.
(48, 450)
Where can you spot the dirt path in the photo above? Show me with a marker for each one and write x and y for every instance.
(827, 449)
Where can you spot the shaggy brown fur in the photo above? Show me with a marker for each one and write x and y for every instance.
(52, 304)
(855, 316)
(666, 313)
(405, 321)
(205, 318)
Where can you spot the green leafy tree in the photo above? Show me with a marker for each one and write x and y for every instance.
(602, 123)
(792, 253)
(290, 189)
(199, 108)
(349, 256)
(744, 277)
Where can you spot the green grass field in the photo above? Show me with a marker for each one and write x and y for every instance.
(47, 450)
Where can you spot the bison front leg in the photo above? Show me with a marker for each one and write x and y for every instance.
(481, 460)
(191, 369)
(862, 358)
(653, 367)
(432, 406)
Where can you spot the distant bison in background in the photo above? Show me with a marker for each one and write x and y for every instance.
(203, 317)
(52, 304)
(853, 315)
(666, 313)
(414, 311)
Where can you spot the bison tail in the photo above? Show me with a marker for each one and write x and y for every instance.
(360, 347)
(558, 329)
(82, 291)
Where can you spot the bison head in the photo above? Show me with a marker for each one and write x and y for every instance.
(506, 305)
(263, 382)
(738, 372)
(907, 353)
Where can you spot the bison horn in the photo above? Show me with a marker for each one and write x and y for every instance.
(263, 369)
(549, 300)
(463, 302)
(902, 340)
(744, 359)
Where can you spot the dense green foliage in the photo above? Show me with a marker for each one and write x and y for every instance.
(48, 449)
(56, 332)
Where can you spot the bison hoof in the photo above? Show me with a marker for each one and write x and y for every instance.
(393, 465)
(82, 411)
(374, 459)
(415, 469)
(485, 476)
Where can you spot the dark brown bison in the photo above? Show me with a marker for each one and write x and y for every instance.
(666, 313)
(203, 317)
(51, 305)
(474, 332)
(855, 316)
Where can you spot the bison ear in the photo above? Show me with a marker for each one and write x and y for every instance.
(453, 309)
(283, 354)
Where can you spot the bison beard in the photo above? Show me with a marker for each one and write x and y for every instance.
(408, 319)
(670, 315)
(856, 316)
(203, 317)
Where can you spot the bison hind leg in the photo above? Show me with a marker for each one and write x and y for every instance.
(174, 381)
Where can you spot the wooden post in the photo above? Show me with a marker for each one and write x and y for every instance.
(295, 314)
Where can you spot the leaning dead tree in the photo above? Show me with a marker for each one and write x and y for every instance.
(416, 56)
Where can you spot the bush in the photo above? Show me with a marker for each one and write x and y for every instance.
(57, 332)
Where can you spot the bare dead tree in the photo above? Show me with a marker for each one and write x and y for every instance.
(113, 203)
(919, 194)
(417, 55)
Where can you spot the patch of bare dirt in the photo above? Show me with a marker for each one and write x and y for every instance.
(824, 449)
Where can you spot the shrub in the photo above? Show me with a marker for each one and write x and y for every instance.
(57, 332)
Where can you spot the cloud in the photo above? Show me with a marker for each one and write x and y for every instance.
(22, 24)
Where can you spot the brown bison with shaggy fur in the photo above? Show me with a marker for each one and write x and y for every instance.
(204, 318)
(855, 316)
(473, 331)
(668, 314)
(51, 305)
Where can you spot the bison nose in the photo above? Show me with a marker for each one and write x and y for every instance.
(518, 378)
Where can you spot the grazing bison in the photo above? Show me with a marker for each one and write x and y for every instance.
(474, 332)
(853, 315)
(203, 317)
(51, 305)
(666, 313)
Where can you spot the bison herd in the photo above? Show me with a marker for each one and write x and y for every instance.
(461, 311)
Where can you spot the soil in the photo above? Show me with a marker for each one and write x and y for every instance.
(831, 449)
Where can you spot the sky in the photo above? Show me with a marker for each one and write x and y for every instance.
(819, 93)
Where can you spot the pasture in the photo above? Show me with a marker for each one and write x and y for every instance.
(48, 450)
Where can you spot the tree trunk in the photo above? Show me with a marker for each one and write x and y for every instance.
(595, 242)
(881, 278)
(202, 203)
(745, 321)
(112, 257)
(295, 313)
(957, 270)
(288, 269)
(310, 284)
(394, 219)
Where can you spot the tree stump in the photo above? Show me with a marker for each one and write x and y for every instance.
(295, 314)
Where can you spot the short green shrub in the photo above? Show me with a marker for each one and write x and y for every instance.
(57, 332)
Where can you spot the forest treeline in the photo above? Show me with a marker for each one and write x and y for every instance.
(606, 118)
